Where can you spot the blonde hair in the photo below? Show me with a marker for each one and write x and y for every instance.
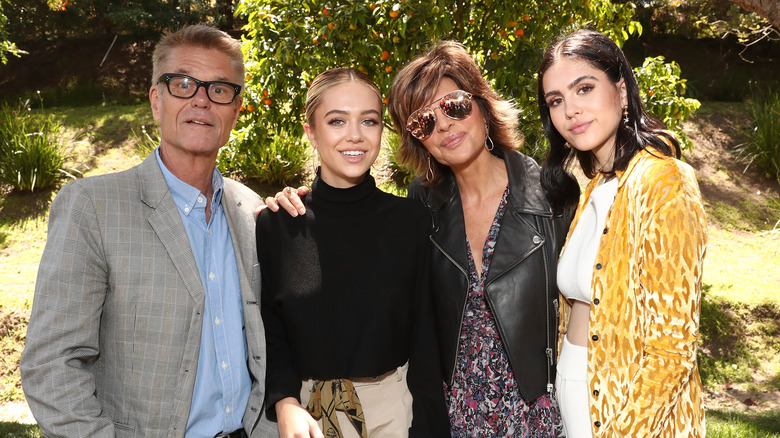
(329, 79)
(417, 83)
(198, 35)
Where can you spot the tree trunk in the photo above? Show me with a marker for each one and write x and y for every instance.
(769, 9)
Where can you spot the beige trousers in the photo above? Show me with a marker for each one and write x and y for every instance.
(386, 401)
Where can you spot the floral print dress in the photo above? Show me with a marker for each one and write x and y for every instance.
(484, 400)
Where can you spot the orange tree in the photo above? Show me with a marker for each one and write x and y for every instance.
(288, 44)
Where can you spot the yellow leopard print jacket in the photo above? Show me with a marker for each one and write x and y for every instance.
(644, 317)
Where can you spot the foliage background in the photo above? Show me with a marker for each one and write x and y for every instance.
(288, 45)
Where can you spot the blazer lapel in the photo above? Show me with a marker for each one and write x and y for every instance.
(240, 223)
(166, 222)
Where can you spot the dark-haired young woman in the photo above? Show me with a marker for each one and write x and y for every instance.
(630, 273)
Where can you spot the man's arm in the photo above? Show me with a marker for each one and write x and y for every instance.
(63, 335)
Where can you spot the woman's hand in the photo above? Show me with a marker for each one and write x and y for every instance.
(289, 199)
(295, 421)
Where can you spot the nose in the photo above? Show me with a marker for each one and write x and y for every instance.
(571, 109)
(355, 134)
(443, 122)
(201, 97)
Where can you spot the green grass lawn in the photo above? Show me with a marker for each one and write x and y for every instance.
(739, 316)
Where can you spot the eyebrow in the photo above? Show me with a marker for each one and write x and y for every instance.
(571, 85)
(184, 71)
(342, 112)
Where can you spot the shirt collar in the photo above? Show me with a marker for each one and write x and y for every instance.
(186, 196)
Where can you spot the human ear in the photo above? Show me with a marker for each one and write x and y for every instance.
(310, 135)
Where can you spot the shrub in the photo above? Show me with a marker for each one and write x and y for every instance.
(276, 160)
(30, 155)
(763, 144)
(662, 94)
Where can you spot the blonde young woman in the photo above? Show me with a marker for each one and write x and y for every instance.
(630, 274)
(346, 306)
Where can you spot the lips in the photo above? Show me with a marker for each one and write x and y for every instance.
(579, 128)
(355, 153)
(199, 122)
(452, 140)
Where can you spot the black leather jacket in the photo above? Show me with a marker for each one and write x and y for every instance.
(521, 285)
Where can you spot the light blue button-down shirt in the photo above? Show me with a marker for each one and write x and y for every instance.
(222, 382)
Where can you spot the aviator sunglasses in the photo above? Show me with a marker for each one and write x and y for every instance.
(455, 105)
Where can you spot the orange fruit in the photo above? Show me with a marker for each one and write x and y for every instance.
(385, 55)
(388, 69)
(352, 27)
(519, 33)
(268, 101)
(502, 33)
(494, 56)
(393, 14)
(331, 26)
(250, 108)
(526, 18)
(512, 23)
(325, 11)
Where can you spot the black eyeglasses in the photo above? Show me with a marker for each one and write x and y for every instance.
(184, 87)
(456, 105)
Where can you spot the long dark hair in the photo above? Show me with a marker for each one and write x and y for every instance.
(642, 130)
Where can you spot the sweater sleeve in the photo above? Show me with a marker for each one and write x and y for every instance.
(674, 244)
(282, 378)
(424, 378)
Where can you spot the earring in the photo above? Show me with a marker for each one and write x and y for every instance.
(429, 174)
(489, 148)
(566, 145)
(625, 115)
(488, 139)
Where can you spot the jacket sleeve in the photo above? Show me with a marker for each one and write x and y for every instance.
(672, 252)
(63, 334)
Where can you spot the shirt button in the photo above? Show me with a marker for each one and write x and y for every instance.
(597, 423)
(595, 337)
(605, 231)
(211, 276)
(186, 209)
(217, 321)
(224, 365)
(596, 392)
(200, 199)
(537, 240)
(598, 265)
(596, 301)
(227, 409)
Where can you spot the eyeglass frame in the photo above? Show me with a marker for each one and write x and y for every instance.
(469, 95)
(166, 79)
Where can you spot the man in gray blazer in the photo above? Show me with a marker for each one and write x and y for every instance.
(146, 318)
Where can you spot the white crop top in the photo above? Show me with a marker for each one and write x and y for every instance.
(575, 267)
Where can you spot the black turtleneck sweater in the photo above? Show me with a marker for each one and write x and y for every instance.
(346, 294)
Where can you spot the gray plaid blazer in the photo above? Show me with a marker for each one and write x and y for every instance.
(112, 345)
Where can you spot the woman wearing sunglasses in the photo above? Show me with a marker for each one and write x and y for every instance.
(346, 298)
(630, 275)
(495, 246)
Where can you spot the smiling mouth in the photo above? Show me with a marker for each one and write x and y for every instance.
(353, 153)
(198, 122)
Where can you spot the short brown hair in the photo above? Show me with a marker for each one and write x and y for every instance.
(198, 35)
(417, 83)
(329, 79)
